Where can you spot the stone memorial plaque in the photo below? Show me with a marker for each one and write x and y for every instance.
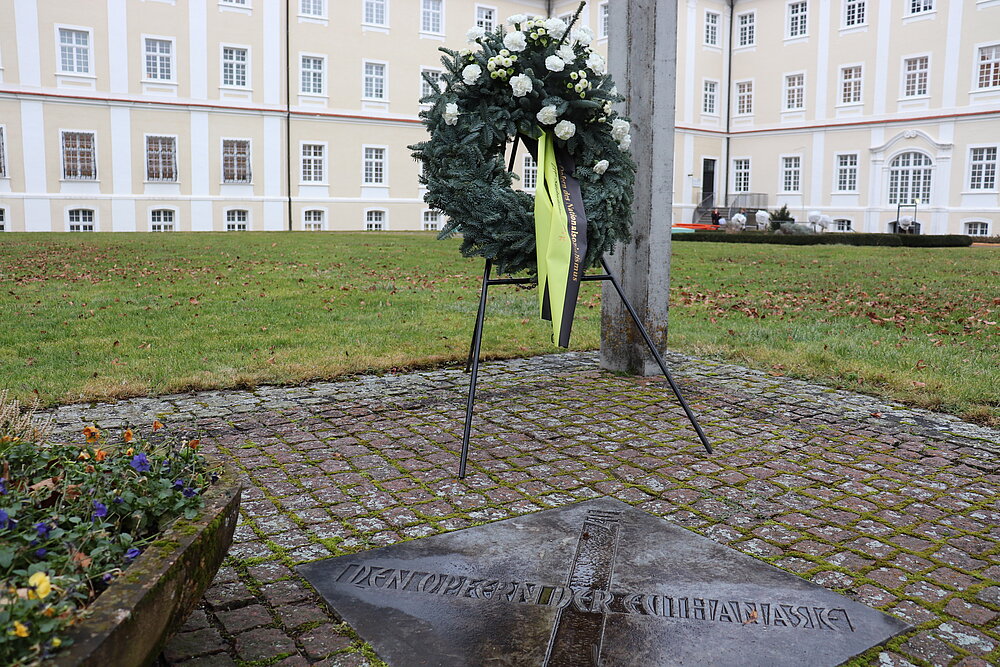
(595, 583)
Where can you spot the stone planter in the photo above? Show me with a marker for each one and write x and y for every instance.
(131, 621)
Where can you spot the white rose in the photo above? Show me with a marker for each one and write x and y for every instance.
(516, 18)
(450, 114)
(475, 33)
(601, 167)
(565, 129)
(515, 41)
(619, 129)
(567, 53)
(595, 61)
(471, 74)
(583, 35)
(554, 64)
(555, 27)
(625, 142)
(521, 85)
(548, 115)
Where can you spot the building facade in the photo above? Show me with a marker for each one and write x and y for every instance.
(202, 115)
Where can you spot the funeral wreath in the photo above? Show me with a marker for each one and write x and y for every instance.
(530, 76)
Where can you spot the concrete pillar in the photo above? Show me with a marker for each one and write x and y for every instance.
(642, 57)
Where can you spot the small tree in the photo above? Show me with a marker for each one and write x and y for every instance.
(780, 215)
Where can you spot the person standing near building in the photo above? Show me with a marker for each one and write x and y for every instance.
(715, 216)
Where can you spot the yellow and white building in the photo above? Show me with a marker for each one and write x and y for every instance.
(160, 115)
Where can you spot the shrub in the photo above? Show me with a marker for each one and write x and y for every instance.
(910, 240)
(780, 215)
(73, 517)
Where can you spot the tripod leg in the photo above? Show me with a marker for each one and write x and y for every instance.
(656, 355)
(477, 341)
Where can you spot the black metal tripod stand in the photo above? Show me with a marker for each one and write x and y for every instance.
(477, 339)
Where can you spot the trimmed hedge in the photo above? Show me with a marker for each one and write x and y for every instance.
(896, 240)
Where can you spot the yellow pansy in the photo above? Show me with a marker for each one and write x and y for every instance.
(20, 629)
(41, 583)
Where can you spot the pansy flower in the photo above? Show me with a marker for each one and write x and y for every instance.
(140, 462)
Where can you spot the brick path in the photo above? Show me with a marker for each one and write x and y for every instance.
(894, 507)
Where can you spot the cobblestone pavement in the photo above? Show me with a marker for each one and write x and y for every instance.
(894, 507)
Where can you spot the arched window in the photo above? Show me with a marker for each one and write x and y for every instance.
(977, 228)
(313, 220)
(161, 220)
(910, 178)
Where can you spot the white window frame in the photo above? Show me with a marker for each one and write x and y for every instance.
(89, 72)
(738, 172)
(850, 172)
(434, 225)
(713, 97)
(385, 165)
(495, 20)
(241, 6)
(322, 219)
(904, 78)
(603, 20)
(995, 163)
(322, 163)
(792, 20)
(711, 29)
(302, 74)
(161, 209)
(222, 163)
(364, 80)
(991, 67)
(375, 3)
(786, 89)
(230, 211)
(424, 13)
(916, 7)
(751, 26)
(839, 226)
(3, 219)
(159, 135)
(890, 170)
(436, 70)
(62, 152)
(93, 219)
(856, 5)
(171, 58)
(743, 95)
(842, 81)
(967, 227)
(247, 71)
(385, 219)
(785, 170)
(322, 9)
(529, 173)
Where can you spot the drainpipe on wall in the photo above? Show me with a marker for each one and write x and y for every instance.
(729, 105)
(548, 8)
(288, 108)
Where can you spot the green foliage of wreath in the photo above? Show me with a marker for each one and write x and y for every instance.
(539, 75)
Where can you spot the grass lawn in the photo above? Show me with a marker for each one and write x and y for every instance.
(115, 315)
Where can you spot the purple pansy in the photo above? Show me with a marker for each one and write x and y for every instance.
(41, 553)
(42, 528)
(190, 493)
(132, 553)
(140, 462)
(100, 509)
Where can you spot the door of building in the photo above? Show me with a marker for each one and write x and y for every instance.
(708, 182)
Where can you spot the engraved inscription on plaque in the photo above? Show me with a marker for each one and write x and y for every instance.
(598, 583)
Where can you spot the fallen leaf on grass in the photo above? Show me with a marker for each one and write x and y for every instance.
(81, 559)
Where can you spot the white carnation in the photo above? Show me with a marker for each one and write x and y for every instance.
(515, 41)
(471, 74)
(554, 64)
(450, 114)
(555, 27)
(516, 18)
(475, 33)
(567, 53)
(619, 129)
(548, 115)
(583, 35)
(601, 167)
(521, 85)
(625, 142)
(595, 61)
(565, 129)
